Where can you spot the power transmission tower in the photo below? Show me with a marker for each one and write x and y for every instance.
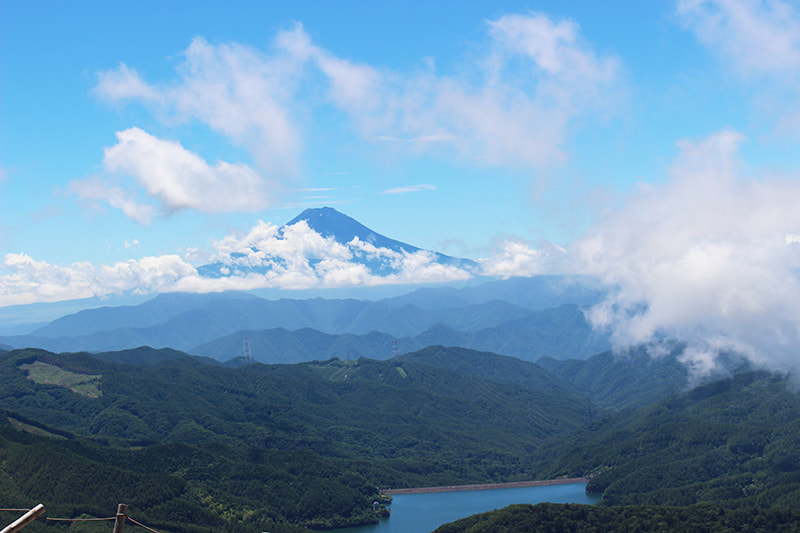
(248, 357)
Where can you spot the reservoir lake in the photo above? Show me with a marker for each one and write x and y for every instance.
(421, 513)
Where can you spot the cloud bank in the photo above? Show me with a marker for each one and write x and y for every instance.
(290, 258)
(707, 258)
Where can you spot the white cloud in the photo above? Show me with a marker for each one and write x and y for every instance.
(30, 281)
(554, 48)
(300, 258)
(124, 83)
(180, 179)
(516, 258)
(703, 258)
(421, 267)
(756, 37)
(236, 90)
(760, 41)
(172, 176)
(514, 105)
(95, 189)
(411, 188)
(290, 258)
(267, 256)
(289, 254)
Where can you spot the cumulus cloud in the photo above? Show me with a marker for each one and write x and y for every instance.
(755, 37)
(173, 177)
(96, 189)
(124, 83)
(514, 105)
(290, 258)
(297, 257)
(180, 179)
(518, 258)
(27, 280)
(236, 90)
(706, 258)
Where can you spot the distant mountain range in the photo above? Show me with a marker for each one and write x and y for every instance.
(284, 331)
(523, 317)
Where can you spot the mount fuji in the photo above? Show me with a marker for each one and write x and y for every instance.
(325, 238)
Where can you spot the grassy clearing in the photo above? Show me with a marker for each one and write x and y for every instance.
(45, 374)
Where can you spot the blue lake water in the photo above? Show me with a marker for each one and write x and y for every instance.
(422, 513)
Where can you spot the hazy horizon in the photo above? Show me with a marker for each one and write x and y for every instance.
(650, 146)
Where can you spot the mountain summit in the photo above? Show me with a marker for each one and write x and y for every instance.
(329, 222)
(325, 247)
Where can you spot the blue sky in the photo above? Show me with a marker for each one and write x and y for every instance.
(141, 140)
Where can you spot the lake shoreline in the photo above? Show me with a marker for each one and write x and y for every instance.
(487, 486)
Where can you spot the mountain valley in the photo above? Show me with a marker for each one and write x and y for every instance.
(235, 412)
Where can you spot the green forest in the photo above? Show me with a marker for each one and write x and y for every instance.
(190, 445)
(194, 446)
(724, 456)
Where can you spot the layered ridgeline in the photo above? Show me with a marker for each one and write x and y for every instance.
(524, 317)
(286, 331)
(194, 446)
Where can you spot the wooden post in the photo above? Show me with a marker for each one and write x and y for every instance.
(122, 515)
(24, 520)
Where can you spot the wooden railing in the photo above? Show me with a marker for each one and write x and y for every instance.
(36, 512)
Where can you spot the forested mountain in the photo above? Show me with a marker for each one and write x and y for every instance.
(490, 366)
(385, 402)
(535, 293)
(275, 445)
(561, 332)
(736, 440)
(184, 321)
(724, 456)
(624, 380)
(553, 517)
(217, 329)
(234, 437)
